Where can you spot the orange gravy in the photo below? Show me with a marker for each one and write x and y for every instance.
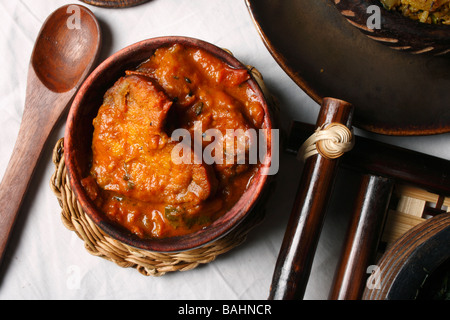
(133, 179)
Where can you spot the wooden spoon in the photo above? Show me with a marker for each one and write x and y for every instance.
(64, 53)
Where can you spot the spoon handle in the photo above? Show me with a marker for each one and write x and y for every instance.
(42, 110)
(16, 180)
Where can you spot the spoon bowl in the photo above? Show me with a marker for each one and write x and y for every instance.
(65, 51)
(68, 37)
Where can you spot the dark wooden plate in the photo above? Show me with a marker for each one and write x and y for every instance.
(114, 3)
(396, 31)
(393, 92)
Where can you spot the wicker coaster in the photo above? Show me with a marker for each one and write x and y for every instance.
(147, 263)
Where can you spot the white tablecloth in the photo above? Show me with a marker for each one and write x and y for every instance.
(46, 261)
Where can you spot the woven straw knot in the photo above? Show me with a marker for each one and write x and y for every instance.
(330, 142)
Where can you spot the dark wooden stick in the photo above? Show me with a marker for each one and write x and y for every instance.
(294, 262)
(362, 239)
(373, 157)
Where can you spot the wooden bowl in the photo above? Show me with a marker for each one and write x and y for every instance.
(78, 138)
(419, 255)
(397, 31)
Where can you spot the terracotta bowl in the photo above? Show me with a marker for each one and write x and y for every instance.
(397, 31)
(78, 138)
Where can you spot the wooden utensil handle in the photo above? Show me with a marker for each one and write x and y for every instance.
(300, 241)
(17, 178)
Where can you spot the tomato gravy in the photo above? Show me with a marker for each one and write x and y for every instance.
(133, 179)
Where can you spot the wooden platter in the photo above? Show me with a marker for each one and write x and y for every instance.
(394, 92)
(114, 3)
(395, 30)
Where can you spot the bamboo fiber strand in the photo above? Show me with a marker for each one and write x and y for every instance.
(330, 142)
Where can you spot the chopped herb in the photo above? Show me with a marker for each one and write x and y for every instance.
(434, 19)
(118, 198)
(171, 212)
(173, 215)
(176, 217)
(198, 108)
(187, 80)
(189, 222)
(196, 220)
(176, 77)
(204, 220)
(130, 185)
(436, 284)
(126, 176)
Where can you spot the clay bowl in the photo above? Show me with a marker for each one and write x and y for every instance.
(396, 31)
(78, 137)
(414, 266)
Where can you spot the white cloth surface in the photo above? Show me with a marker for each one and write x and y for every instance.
(46, 261)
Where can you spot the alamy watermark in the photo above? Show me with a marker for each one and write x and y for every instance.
(374, 20)
(74, 20)
(73, 277)
(238, 146)
(243, 147)
(374, 280)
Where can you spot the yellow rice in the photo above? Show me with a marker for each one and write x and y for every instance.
(425, 11)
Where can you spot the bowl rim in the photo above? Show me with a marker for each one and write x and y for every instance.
(220, 227)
